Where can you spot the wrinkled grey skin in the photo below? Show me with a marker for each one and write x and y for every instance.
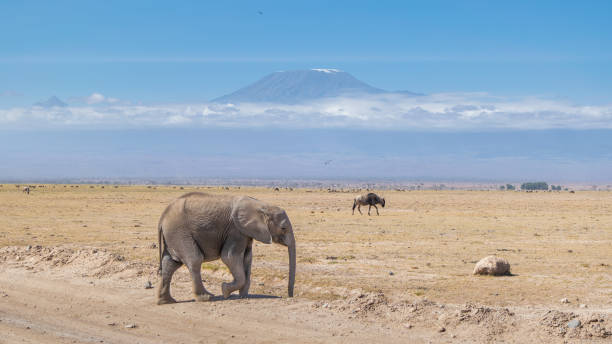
(199, 227)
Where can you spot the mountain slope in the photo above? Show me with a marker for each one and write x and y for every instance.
(298, 86)
(51, 102)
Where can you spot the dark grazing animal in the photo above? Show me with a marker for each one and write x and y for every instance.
(371, 200)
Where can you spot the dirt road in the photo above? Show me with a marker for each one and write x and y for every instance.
(46, 307)
(76, 295)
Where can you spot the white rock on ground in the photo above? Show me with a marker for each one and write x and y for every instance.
(492, 265)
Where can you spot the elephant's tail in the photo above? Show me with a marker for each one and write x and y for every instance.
(159, 244)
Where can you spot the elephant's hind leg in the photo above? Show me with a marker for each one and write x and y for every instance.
(169, 266)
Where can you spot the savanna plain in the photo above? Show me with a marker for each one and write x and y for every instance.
(78, 263)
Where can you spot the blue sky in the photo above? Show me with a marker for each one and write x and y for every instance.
(514, 90)
(165, 52)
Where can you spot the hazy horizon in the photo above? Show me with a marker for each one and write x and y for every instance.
(567, 156)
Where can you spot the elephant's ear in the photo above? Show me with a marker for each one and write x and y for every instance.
(250, 217)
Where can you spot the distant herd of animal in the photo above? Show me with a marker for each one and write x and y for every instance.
(371, 200)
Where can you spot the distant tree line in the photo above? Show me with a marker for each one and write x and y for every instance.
(534, 186)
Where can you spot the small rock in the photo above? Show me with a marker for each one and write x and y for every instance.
(441, 329)
(564, 300)
(29, 247)
(130, 326)
(492, 265)
(582, 305)
(408, 325)
(574, 323)
(148, 285)
(391, 273)
(112, 324)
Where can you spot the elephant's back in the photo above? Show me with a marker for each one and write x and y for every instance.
(196, 208)
(195, 194)
(199, 202)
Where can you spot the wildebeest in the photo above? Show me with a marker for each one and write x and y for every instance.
(371, 200)
(26, 190)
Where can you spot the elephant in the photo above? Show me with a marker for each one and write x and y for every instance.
(199, 227)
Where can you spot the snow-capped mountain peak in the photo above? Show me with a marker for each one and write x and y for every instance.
(297, 86)
(327, 70)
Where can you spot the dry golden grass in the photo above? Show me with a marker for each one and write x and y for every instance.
(559, 244)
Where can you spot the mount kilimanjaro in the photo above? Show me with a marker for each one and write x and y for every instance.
(299, 86)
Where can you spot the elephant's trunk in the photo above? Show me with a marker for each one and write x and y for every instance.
(291, 249)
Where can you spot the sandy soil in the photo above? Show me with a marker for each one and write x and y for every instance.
(74, 263)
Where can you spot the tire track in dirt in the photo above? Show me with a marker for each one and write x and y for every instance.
(67, 294)
(39, 308)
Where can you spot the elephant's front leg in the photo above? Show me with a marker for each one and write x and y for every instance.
(233, 257)
(248, 259)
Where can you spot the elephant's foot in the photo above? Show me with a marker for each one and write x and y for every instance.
(165, 300)
(226, 291)
(203, 297)
(244, 294)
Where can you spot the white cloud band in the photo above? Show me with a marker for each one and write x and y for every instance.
(457, 111)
